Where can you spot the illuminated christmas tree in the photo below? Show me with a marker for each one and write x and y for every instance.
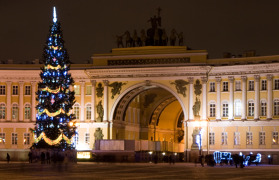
(55, 125)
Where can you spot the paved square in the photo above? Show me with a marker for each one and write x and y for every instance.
(88, 170)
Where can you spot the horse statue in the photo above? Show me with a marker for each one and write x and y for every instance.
(173, 37)
(136, 39)
(119, 41)
(142, 38)
(129, 40)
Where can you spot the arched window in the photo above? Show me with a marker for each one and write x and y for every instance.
(251, 108)
(76, 110)
(88, 111)
(263, 108)
(15, 112)
(237, 108)
(276, 107)
(212, 109)
(225, 109)
(27, 111)
(2, 111)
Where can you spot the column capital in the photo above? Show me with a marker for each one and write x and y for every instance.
(218, 79)
(269, 77)
(204, 80)
(21, 83)
(82, 83)
(257, 78)
(191, 80)
(231, 79)
(33, 83)
(106, 82)
(244, 78)
(93, 82)
(9, 83)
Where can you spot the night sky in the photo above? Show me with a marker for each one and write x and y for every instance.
(90, 26)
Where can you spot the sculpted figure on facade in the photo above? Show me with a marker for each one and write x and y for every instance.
(180, 86)
(116, 88)
(98, 134)
(100, 111)
(197, 106)
(100, 90)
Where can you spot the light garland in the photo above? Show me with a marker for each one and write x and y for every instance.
(53, 114)
(55, 91)
(52, 142)
(52, 67)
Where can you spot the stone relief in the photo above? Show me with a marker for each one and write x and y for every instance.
(100, 111)
(100, 90)
(180, 86)
(198, 88)
(148, 99)
(116, 88)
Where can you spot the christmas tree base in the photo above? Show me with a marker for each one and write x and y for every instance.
(48, 156)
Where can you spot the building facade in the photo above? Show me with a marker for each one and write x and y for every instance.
(155, 99)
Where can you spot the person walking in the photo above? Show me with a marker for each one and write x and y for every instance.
(30, 157)
(8, 158)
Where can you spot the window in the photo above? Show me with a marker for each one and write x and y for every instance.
(88, 90)
(212, 110)
(263, 108)
(2, 111)
(249, 138)
(212, 87)
(225, 86)
(15, 90)
(276, 107)
(236, 138)
(27, 90)
(274, 137)
(87, 138)
(3, 138)
(88, 111)
(224, 138)
(276, 84)
(251, 108)
(225, 109)
(27, 111)
(77, 89)
(211, 138)
(264, 85)
(251, 86)
(76, 110)
(237, 108)
(262, 138)
(237, 86)
(26, 139)
(2, 90)
(14, 138)
(15, 111)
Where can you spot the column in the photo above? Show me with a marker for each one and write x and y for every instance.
(218, 104)
(244, 98)
(269, 96)
(33, 104)
(82, 84)
(204, 99)
(106, 83)
(191, 96)
(257, 97)
(231, 80)
(93, 99)
(21, 112)
(9, 100)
